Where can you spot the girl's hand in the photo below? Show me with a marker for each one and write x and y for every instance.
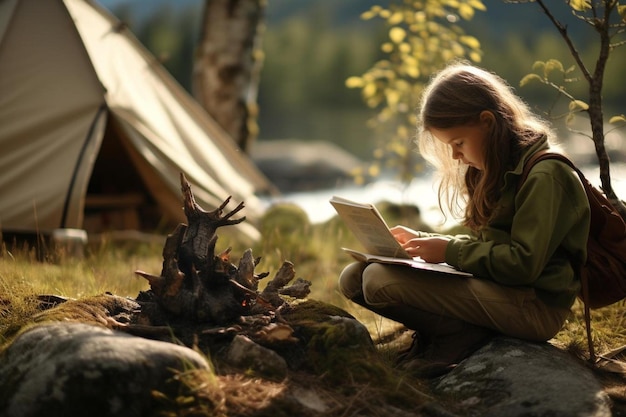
(430, 249)
(403, 234)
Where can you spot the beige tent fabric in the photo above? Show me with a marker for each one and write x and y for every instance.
(65, 66)
(47, 110)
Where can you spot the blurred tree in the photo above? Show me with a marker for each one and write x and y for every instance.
(312, 46)
(309, 55)
(168, 33)
(228, 63)
(608, 20)
(423, 37)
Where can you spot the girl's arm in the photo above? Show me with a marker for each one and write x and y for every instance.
(550, 210)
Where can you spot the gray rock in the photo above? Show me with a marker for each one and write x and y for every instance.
(244, 353)
(296, 165)
(72, 369)
(512, 378)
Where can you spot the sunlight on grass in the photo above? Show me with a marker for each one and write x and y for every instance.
(106, 269)
(315, 251)
(607, 324)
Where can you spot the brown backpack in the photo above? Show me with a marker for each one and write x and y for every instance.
(603, 276)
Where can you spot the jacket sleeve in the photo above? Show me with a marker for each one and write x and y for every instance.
(547, 207)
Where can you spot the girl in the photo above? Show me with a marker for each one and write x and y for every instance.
(522, 243)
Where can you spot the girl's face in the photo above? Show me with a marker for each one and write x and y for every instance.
(468, 141)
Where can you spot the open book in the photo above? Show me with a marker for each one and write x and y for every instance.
(371, 230)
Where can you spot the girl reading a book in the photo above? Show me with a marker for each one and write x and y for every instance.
(520, 244)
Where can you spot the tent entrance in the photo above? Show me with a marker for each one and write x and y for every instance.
(117, 198)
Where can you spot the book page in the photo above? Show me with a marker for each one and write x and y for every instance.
(413, 263)
(369, 227)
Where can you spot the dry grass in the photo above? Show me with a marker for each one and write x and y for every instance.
(315, 252)
(313, 249)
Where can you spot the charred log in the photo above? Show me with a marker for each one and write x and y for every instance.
(200, 286)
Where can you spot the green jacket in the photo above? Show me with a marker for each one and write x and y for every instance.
(535, 234)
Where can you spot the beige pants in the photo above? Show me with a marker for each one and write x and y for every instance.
(513, 311)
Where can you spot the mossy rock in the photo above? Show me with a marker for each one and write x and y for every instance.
(286, 229)
(332, 343)
(284, 219)
(96, 310)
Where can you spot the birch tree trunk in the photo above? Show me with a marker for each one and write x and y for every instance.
(228, 63)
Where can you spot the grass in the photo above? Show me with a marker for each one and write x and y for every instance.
(315, 250)
(104, 268)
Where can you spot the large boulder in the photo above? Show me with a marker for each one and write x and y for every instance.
(298, 165)
(513, 378)
(73, 369)
(64, 368)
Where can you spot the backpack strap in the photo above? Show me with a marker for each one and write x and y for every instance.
(540, 156)
(585, 296)
(578, 267)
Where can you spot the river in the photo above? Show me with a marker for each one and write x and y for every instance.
(420, 192)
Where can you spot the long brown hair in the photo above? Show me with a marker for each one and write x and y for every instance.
(457, 96)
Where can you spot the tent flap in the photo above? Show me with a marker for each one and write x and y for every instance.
(65, 68)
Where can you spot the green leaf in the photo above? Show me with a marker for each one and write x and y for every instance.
(580, 5)
(354, 82)
(466, 12)
(617, 119)
(397, 34)
(475, 56)
(477, 4)
(552, 65)
(411, 67)
(396, 18)
(539, 66)
(369, 89)
(470, 41)
(368, 15)
(622, 12)
(575, 105)
(528, 78)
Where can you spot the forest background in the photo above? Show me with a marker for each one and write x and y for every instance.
(312, 46)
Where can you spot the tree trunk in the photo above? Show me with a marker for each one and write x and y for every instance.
(596, 116)
(602, 25)
(228, 64)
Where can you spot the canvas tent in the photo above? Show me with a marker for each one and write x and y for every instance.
(94, 132)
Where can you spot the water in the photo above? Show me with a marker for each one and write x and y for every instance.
(421, 192)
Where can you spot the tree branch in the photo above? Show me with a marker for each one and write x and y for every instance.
(563, 31)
